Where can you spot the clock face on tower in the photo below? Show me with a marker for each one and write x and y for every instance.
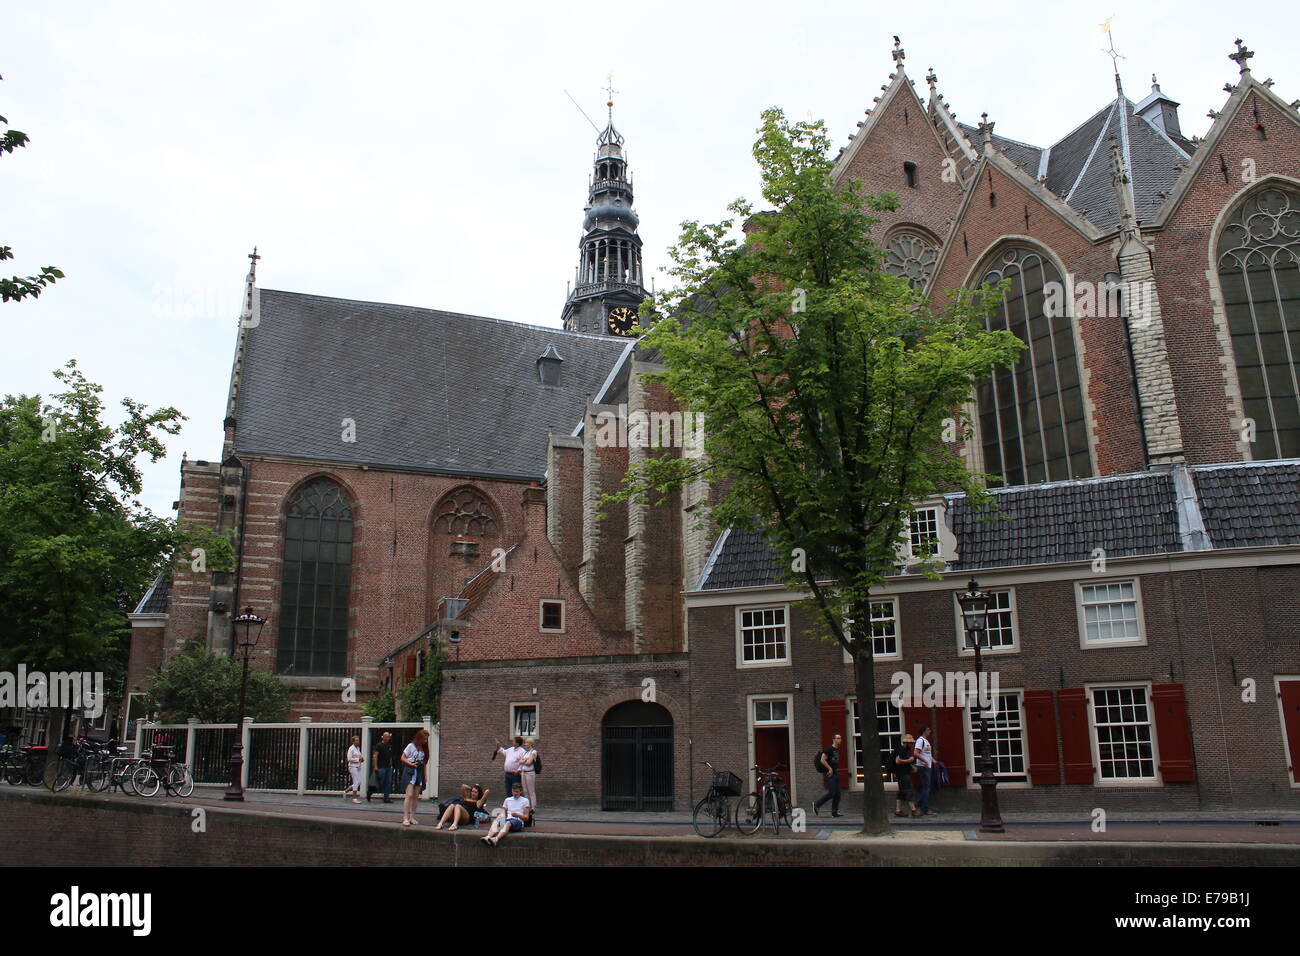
(621, 320)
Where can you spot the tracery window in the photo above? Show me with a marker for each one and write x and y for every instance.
(1031, 416)
(1260, 279)
(317, 576)
(466, 512)
(912, 256)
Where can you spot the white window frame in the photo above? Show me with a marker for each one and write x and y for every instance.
(1288, 746)
(1138, 641)
(1012, 648)
(851, 750)
(971, 720)
(541, 616)
(515, 706)
(947, 550)
(740, 635)
(898, 630)
(1126, 782)
(787, 775)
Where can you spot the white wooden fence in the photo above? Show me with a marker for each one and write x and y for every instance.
(298, 757)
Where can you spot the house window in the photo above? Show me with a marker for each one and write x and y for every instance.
(1001, 627)
(1006, 728)
(1031, 416)
(1109, 613)
(314, 591)
(884, 628)
(552, 616)
(889, 734)
(763, 637)
(923, 532)
(773, 711)
(1121, 728)
(523, 720)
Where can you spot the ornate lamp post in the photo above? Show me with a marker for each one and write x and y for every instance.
(975, 612)
(247, 621)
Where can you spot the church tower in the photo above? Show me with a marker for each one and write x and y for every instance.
(608, 281)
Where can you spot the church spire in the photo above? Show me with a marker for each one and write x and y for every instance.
(608, 281)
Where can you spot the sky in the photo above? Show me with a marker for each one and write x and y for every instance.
(428, 154)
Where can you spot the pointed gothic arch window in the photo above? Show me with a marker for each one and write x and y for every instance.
(911, 254)
(1031, 417)
(317, 577)
(466, 511)
(1258, 251)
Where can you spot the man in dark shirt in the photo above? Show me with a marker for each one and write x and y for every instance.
(383, 763)
(830, 761)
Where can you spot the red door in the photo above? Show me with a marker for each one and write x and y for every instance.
(1288, 695)
(772, 748)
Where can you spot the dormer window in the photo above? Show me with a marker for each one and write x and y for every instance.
(926, 536)
(923, 532)
(548, 366)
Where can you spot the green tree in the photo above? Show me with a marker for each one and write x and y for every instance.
(382, 707)
(77, 549)
(19, 287)
(199, 683)
(826, 387)
(421, 695)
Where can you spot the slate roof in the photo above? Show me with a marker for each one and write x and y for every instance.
(156, 598)
(1242, 505)
(427, 390)
(1022, 154)
(1254, 505)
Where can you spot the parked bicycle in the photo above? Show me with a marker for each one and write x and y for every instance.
(24, 765)
(713, 813)
(160, 771)
(771, 803)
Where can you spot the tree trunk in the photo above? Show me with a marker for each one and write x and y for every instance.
(875, 810)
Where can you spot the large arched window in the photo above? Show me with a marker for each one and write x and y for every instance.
(1031, 416)
(1261, 295)
(317, 575)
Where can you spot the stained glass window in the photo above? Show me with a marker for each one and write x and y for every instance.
(912, 256)
(313, 627)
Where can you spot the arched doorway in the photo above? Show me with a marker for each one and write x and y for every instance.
(636, 765)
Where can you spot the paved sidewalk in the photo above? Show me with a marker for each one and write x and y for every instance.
(1278, 827)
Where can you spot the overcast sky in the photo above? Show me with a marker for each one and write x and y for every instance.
(427, 154)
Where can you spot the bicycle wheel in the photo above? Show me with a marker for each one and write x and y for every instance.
(13, 772)
(180, 781)
(145, 781)
(34, 773)
(710, 816)
(772, 811)
(749, 813)
(64, 774)
(97, 774)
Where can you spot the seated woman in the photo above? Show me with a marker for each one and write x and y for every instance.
(461, 809)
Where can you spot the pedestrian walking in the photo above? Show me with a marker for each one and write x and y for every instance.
(904, 762)
(512, 821)
(414, 760)
(828, 762)
(382, 761)
(530, 765)
(356, 764)
(513, 756)
(924, 755)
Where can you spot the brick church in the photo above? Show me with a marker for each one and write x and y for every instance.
(400, 479)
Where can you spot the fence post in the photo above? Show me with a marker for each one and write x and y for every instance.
(139, 736)
(431, 770)
(365, 755)
(303, 723)
(189, 742)
(246, 737)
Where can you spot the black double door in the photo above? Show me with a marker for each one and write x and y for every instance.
(637, 768)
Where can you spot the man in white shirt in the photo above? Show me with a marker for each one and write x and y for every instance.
(516, 809)
(924, 755)
(513, 756)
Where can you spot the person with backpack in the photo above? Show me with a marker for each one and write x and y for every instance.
(530, 765)
(904, 761)
(827, 763)
(924, 754)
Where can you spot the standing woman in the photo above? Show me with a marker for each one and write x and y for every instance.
(414, 758)
(355, 764)
(528, 765)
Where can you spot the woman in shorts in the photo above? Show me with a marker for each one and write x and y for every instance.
(414, 759)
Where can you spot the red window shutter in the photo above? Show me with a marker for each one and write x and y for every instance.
(1040, 737)
(835, 719)
(1288, 692)
(1173, 736)
(410, 668)
(1075, 744)
(950, 743)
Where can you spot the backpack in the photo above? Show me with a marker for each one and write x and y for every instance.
(537, 765)
(817, 762)
(888, 767)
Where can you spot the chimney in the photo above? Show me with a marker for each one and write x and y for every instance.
(534, 512)
(1159, 110)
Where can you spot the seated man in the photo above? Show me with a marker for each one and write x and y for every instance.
(516, 812)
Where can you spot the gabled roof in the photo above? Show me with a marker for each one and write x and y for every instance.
(428, 390)
(156, 599)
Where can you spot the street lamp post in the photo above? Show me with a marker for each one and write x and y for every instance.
(248, 620)
(974, 611)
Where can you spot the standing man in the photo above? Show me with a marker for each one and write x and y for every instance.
(382, 761)
(924, 754)
(514, 756)
(829, 759)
